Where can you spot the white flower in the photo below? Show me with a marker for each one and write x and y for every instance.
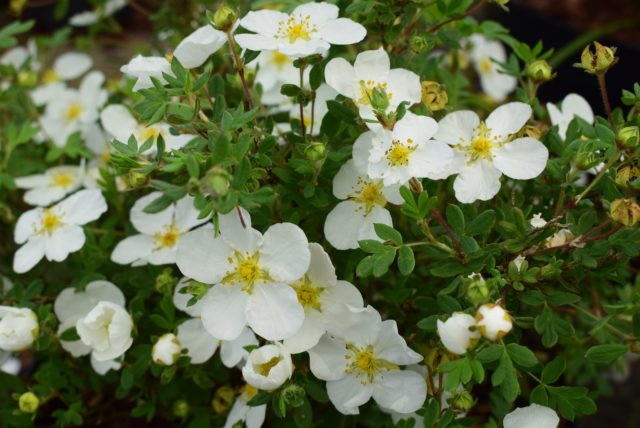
(363, 204)
(268, 367)
(250, 273)
(250, 416)
(537, 221)
(198, 46)
(360, 358)
(143, 68)
(310, 29)
(318, 292)
(102, 367)
(484, 150)
(573, 105)
(53, 185)
(405, 152)
(493, 321)
(483, 54)
(118, 121)
(106, 329)
(9, 364)
(533, 416)
(68, 66)
(166, 350)
(75, 110)
(72, 305)
(55, 232)
(19, 55)
(275, 69)
(315, 114)
(456, 333)
(159, 234)
(561, 237)
(518, 261)
(90, 17)
(18, 328)
(372, 70)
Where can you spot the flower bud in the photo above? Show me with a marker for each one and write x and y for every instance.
(539, 71)
(519, 261)
(561, 237)
(461, 401)
(223, 399)
(166, 350)
(585, 157)
(216, 182)
(379, 99)
(626, 175)
(165, 282)
(599, 61)
(18, 328)
(315, 151)
(530, 131)
(629, 136)
(493, 321)
(477, 288)
(27, 78)
(224, 18)
(456, 333)
(28, 402)
(293, 395)
(419, 44)
(434, 96)
(181, 409)
(268, 367)
(135, 179)
(625, 211)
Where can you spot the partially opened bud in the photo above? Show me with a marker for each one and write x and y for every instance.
(599, 60)
(462, 401)
(626, 175)
(268, 367)
(28, 402)
(181, 409)
(629, 136)
(18, 328)
(27, 78)
(216, 182)
(539, 71)
(458, 333)
(477, 288)
(493, 321)
(434, 96)
(315, 151)
(625, 211)
(223, 399)
(224, 18)
(379, 99)
(166, 350)
(585, 157)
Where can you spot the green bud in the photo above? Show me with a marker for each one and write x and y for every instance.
(223, 399)
(626, 175)
(629, 136)
(477, 288)
(585, 157)
(28, 402)
(625, 212)
(315, 151)
(216, 182)
(461, 401)
(224, 18)
(27, 79)
(181, 409)
(539, 71)
(599, 60)
(6, 215)
(293, 395)
(379, 99)
(419, 44)
(165, 282)
(135, 179)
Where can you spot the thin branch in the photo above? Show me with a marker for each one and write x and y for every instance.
(450, 232)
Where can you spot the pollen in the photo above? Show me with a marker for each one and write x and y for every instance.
(50, 76)
(147, 133)
(308, 294)
(73, 112)
(482, 144)
(247, 271)
(485, 65)
(369, 194)
(280, 60)
(62, 179)
(366, 91)
(296, 28)
(168, 237)
(265, 368)
(399, 153)
(50, 221)
(364, 364)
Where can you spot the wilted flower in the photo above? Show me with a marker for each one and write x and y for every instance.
(493, 321)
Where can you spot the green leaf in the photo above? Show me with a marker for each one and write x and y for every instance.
(553, 370)
(372, 246)
(406, 260)
(561, 298)
(455, 218)
(382, 262)
(491, 353)
(448, 304)
(522, 355)
(605, 354)
(482, 223)
(7, 32)
(387, 233)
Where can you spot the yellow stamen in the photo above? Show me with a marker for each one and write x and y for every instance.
(365, 365)
(50, 76)
(481, 146)
(485, 65)
(249, 391)
(280, 60)
(399, 153)
(62, 179)
(308, 294)
(295, 28)
(368, 193)
(168, 237)
(265, 368)
(247, 271)
(50, 222)
(73, 112)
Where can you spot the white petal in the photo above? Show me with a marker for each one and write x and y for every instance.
(193, 337)
(402, 391)
(498, 85)
(264, 22)
(256, 42)
(508, 119)
(186, 214)
(307, 335)
(392, 347)
(342, 226)
(91, 90)
(359, 326)
(343, 293)
(181, 300)
(285, 252)
(203, 257)
(342, 31)
(318, 12)
(345, 180)
(63, 241)
(235, 228)
(372, 65)
(403, 85)
(348, 393)
(196, 48)
(72, 65)
(43, 196)
(27, 225)
(150, 223)
(361, 149)
(133, 248)
(118, 121)
(28, 255)
(533, 416)
(321, 271)
(273, 311)
(326, 359)
(480, 180)
(233, 352)
(522, 158)
(431, 160)
(102, 367)
(83, 207)
(576, 105)
(457, 127)
(340, 75)
(223, 311)
(378, 214)
(415, 127)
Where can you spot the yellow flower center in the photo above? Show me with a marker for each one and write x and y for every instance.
(265, 368)
(50, 222)
(308, 294)
(168, 237)
(399, 152)
(363, 363)
(73, 112)
(368, 193)
(280, 60)
(146, 133)
(247, 271)
(485, 65)
(367, 88)
(50, 76)
(62, 179)
(296, 28)
(481, 146)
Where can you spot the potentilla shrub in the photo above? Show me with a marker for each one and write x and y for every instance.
(327, 215)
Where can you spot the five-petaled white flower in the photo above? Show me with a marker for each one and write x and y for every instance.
(250, 273)
(106, 329)
(159, 234)
(495, 84)
(537, 221)
(118, 121)
(51, 186)
(405, 152)
(456, 333)
(483, 151)
(573, 105)
(90, 17)
(250, 416)
(18, 328)
(318, 292)
(56, 231)
(372, 70)
(359, 358)
(143, 68)
(68, 66)
(533, 416)
(268, 367)
(275, 69)
(363, 204)
(310, 29)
